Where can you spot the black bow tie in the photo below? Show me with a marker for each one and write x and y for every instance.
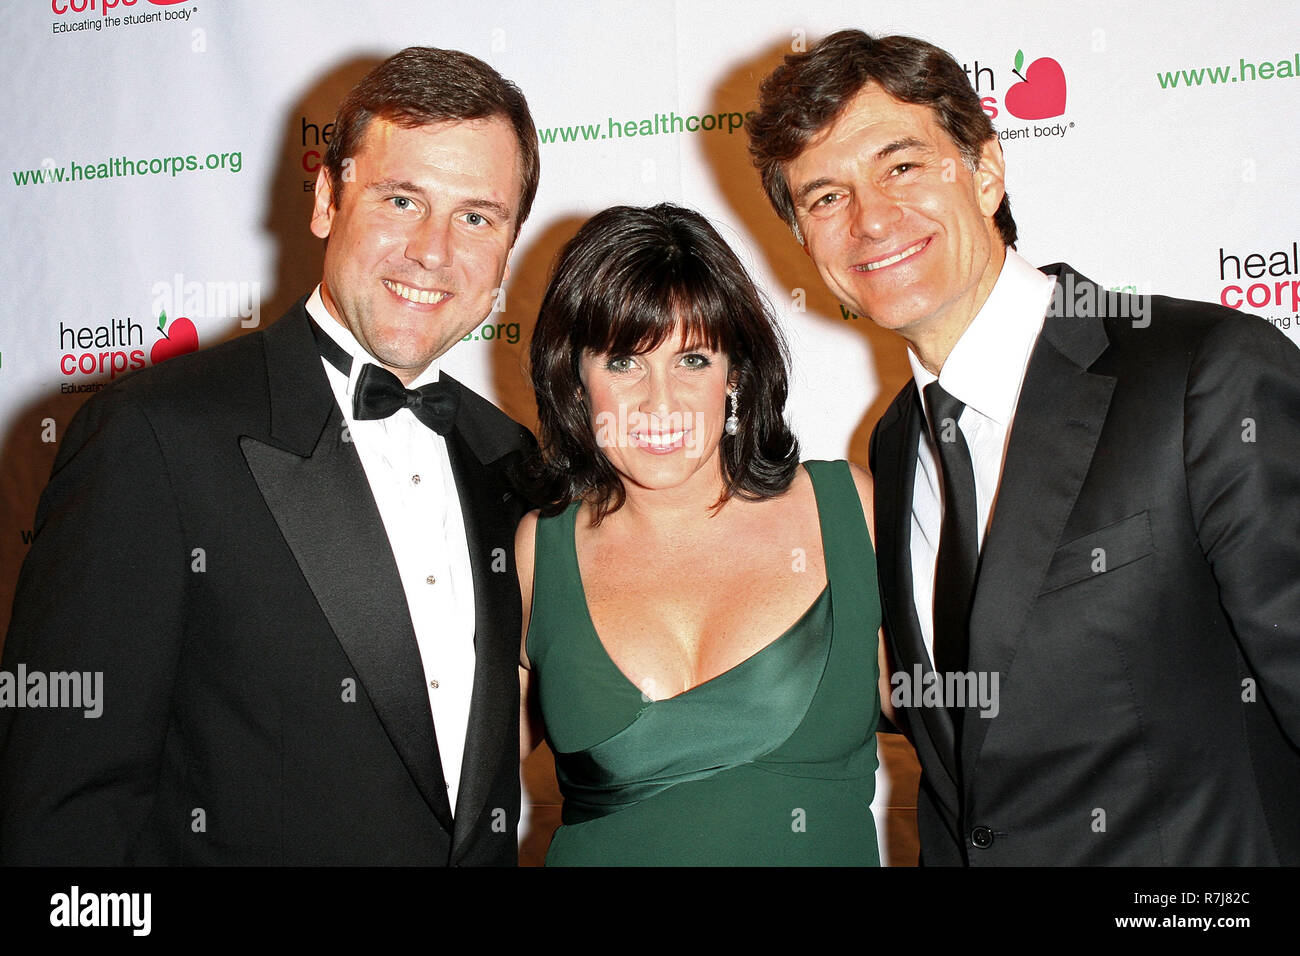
(380, 393)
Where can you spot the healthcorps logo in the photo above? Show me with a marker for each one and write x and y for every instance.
(315, 140)
(101, 14)
(182, 338)
(1258, 279)
(1038, 92)
(118, 346)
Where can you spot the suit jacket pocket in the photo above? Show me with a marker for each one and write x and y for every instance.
(1100, 552)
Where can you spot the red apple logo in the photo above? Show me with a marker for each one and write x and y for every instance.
(1042, 94)
(184, 338)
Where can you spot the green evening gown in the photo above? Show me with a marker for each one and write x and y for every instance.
(770, 763)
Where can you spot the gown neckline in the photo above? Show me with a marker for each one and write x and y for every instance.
(571, 541)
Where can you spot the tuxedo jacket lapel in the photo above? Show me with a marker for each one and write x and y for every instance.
(488, 509)
(315, 487)
(1058, 420)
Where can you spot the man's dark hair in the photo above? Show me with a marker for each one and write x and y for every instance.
(807, 93)
(424, 85)
(629, 279)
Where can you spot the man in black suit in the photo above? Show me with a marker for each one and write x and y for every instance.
(1087, 505)
(290, 557)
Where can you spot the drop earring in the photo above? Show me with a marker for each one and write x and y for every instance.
(732, 424)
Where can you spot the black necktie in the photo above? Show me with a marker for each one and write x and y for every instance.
(954, 573)
(380, 393)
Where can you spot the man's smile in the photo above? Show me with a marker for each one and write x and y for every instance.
(412, 294)
(890, 260)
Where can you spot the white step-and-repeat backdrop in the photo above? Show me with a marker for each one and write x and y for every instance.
(158, 157)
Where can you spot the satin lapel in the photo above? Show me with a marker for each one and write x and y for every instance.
(895, 477)
(322, 503)
(491, 515)
(1058, 421)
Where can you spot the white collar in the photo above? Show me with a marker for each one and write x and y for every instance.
(347, 341)
(985, 368)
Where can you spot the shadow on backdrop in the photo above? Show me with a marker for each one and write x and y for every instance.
(26, 456)
(737, 180)
(530, 271)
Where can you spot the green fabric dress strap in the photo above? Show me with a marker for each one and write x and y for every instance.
(845, 540)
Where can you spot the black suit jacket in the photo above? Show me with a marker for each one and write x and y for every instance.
(1138, 597)
(209, 542)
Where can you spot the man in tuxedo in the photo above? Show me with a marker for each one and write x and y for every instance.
(1086, 503)
(290, 556)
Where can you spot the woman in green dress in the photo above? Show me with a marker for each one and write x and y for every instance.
(701, 615)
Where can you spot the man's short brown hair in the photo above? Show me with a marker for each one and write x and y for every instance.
(807, 92)
(424, 85)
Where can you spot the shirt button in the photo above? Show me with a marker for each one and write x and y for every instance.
(433, 684)
(431, 580)
(415, 479)
(981, 837)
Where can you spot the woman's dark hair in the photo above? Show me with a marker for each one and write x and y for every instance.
(629, 279)
(808, 91)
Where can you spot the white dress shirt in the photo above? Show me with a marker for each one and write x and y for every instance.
(985, 370)
(409, 472)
